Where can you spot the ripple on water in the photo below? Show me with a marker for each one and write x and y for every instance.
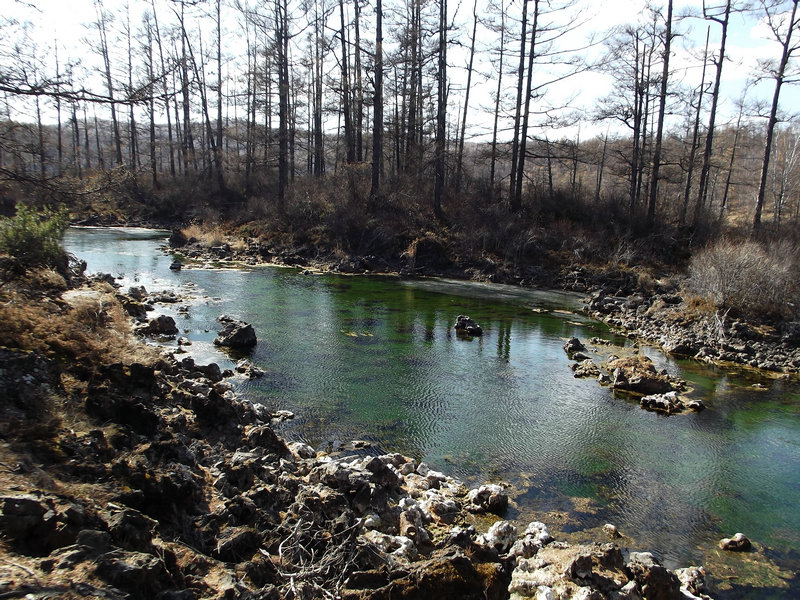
(504, 406)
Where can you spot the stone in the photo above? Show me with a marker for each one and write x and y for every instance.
(248, 369)
(175, 265)
(668, 403)
(131, 570)
(130, 528)
(611, 531)
(501, 536)
(237, 543)
(466, 326)
(574, 345)
(693, 581)
(235, 334)
(638, 374)
(487, 498)
(737, 543)
(161, 325)
(655, 581)
(178, 239)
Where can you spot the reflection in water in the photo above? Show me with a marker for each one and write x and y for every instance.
(377, 359)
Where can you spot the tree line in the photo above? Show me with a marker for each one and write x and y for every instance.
(260, 98)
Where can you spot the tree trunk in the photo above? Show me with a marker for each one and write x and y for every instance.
(523, 135)
(513, 199)
(377, 109)
(702, 191)
(773, 116)
(441, 113)
(695, 135)
(662, 109)
(460, 163)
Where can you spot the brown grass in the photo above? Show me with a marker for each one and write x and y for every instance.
(208, 235)
(91, 329)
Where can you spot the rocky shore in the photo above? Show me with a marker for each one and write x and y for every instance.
(157, 480)
(664, 316)
(672, 323)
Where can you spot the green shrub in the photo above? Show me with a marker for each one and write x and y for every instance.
(34, 238)
(747, 278)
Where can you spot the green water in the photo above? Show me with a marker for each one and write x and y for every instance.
(377, 359)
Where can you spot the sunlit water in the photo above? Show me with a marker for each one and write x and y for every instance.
(377, 359)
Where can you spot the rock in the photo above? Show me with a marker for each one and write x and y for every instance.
(611, 531)
(655, 581)
(178, 239)
(693, 581)
(737, 543)
(638, 374)
(666, 403)
(574, 345)
(501, 536)
(131, 529)
(585, 368)
(536, 537)
(248, 369)
(487, 498)
(175, 265)
(235, 334)
(301, 450)
(466, 326)
(134, 571)
(161, 325)
(237, 543)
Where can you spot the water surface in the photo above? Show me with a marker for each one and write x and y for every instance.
(377, 359)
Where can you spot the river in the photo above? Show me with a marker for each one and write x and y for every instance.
(376, 359)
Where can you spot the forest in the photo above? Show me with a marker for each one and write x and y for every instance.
(510, 127)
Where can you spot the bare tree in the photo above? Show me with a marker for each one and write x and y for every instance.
(783, 21)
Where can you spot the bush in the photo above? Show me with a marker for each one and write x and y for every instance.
(747, 279)
(34, 239)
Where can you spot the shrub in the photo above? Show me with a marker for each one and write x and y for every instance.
(34, 239)
(746, 278)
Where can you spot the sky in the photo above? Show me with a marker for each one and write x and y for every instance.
(66, 21)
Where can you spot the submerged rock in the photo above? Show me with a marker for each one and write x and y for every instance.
(737, 543)
(465, 325)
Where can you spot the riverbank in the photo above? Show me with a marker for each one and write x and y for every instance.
(659, 311)
(147, 476)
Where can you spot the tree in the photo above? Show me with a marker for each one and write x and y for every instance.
(702, 190)
(662, 109)
(377, 105)
(782, 25)
(441, 112)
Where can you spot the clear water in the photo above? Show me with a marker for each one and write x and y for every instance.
(377, 359)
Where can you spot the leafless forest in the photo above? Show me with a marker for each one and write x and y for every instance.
(356, 119)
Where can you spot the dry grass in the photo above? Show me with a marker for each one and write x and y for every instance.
(747, 278)
(208, 235)
(91, 328)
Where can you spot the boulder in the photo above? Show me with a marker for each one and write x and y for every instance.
(161, 325)
(655, 581)
(666, 403)
(466, 326)
(638, 374)
(737, 543)
(235, 334)
(574, 345)
(178, 239)
(490, 498)
(501, 536)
